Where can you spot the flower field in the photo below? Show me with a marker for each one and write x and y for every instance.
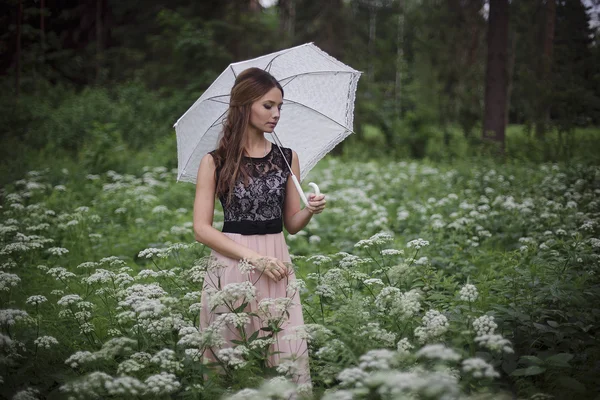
(417, 282)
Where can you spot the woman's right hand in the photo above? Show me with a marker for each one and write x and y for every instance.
(272, 267)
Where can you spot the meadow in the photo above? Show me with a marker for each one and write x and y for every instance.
(470, 280)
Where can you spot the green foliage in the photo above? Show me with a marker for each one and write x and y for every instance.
(524, 236)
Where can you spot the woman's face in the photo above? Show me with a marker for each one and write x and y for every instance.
(264, 114)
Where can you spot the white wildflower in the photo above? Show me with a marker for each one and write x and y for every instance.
(468, 293)
(8, 281)
(36, 300)
(479, 368)
(438, 351)
(45, 341)
(352, 377)
(434, 325)
(404, 346)
(417, 243)
(484, 325)
(495, 342)
(162, 384)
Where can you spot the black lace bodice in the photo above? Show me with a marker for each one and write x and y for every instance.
(258, 207)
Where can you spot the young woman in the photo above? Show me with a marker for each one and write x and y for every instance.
(251, 179)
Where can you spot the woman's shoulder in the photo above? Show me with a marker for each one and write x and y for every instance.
(287, 153)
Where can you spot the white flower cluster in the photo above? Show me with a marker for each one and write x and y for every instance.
(124, 386)
(319, 259)
(238, 320)
(495, 343)
(393, 302)
(115, 347)
(80, 358)
(231, 293)
(36, 300)
(57, 251)
(377, 239)
(162, 384)
(417, 243)
(152, 252)
(391, 252)
(69, 300)
(325, 290)
(288, 367)
(60, 273)
(479, 368)
(45, 341)
(246, 266)
(8, 281)
(594, 242)
(404, 346)
(352, 377)
(273, 309)
(167, 360)
(485, 325)
(439, 352)
(469, 293)
(233, 356)
(278, 388)
(374, 332)
(380, 359)
(27, 394)
(129, 367)
(435, 324)
(295, 285)
(10, 316)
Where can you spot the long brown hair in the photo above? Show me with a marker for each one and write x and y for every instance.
(250, 85)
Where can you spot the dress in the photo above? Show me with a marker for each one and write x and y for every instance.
(253, 218)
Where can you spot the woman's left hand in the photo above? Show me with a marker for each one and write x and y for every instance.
(316, 203)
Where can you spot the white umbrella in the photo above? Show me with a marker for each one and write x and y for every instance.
(317, 114)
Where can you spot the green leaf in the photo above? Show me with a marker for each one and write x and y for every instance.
(266, 329)
(571, 383)
(253, 336)
(543, 328)
(240, 308)
(533, 370)
(531, 360)
(553, 324)
(560, 359)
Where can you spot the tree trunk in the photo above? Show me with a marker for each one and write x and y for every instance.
(99, 42)
(42, 28)
(287, 18)
(371, 45)
(496, 77)
(545, 68)
(399, 57)
(18, 51)
(511, 69)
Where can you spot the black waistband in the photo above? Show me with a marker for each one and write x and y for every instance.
(254, 227)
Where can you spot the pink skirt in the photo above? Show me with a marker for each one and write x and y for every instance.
(285, 346)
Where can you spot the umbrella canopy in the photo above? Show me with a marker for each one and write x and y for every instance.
(317, 114)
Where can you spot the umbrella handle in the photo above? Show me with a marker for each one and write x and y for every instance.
(301, 192)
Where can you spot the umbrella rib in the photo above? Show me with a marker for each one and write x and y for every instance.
(320, 113)
(288, 82)
(294, 77)
(217, 101)
(319, 73)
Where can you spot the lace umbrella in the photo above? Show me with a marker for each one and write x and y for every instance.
(317, 115)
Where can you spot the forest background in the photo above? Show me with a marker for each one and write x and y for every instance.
(99, 83)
